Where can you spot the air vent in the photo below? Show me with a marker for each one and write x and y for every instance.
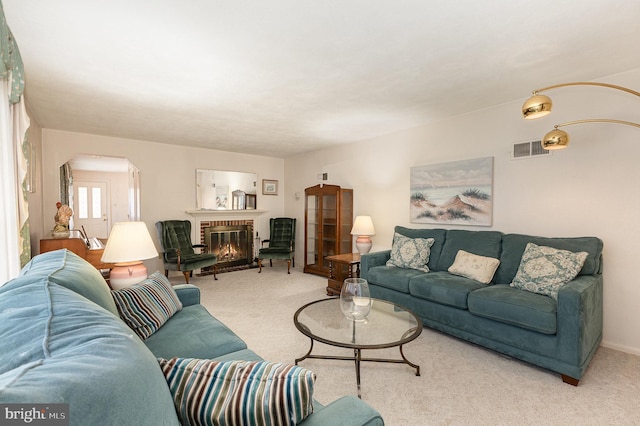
(528, 149)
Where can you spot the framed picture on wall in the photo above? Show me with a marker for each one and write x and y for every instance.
(269, 187)
(459, 192)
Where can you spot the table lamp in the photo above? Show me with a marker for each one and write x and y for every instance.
(129, 243)
(363, 229)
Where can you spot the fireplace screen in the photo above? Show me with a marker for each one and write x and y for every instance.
(232, 244)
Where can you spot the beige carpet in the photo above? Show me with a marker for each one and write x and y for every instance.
(461, 384)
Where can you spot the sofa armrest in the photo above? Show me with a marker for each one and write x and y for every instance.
(346, 411)
(369, 260)
(580, 318)
(188, 294)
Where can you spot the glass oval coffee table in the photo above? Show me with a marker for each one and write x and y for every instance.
(387, 325)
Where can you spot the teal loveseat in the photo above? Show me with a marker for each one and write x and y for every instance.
(62, 342)
(559, 335)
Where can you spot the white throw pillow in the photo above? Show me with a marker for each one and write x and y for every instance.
(410, 253)
(479, 268)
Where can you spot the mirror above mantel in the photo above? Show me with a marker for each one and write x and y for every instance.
(225, 190)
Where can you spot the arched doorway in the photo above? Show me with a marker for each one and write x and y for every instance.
(101, 190)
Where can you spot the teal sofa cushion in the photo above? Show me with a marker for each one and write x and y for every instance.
(193, 333)
(66, 349)
(436, 249)
(443, 288)
(69, 270)
(346, 410)
(392, 277)
(482, 243)
(509, 305)
(513, 246)
(241, 355)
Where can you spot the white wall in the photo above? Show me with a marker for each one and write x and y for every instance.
(34, 133)
(167, 174)
(589, 189)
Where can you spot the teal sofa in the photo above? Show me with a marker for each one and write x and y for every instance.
(560, 336)
(63, 343)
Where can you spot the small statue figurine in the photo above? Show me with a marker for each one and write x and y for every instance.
(62, 217)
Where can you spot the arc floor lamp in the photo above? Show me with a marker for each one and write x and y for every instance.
(540, 105)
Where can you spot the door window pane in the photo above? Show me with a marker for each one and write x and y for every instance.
(83, 211)
(96, 205)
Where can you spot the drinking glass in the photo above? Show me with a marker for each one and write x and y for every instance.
(355, 299)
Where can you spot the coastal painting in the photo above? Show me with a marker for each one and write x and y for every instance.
(458, 192)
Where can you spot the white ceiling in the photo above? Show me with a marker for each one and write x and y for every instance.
(280, 77)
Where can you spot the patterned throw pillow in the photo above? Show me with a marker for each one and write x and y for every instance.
(410, 253)
(544, 270)
(251, 393)
(479, 268)
(145, 307)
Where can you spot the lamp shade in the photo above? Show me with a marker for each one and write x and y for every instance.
(363, 225)
(536, 106)
(129, 242)
(555, 139)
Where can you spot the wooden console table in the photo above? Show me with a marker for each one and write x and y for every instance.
(340, 268)
(77, 245)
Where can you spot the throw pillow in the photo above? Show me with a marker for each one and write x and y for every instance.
(207, 392)
(545, 270)
(479, 268)
(145, 307)
(410, 253)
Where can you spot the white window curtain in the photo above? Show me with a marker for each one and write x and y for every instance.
(14, 122)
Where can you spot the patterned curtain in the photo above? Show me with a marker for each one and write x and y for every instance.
(14, 144)
(66, 182)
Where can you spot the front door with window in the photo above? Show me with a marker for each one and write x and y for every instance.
(90, 200)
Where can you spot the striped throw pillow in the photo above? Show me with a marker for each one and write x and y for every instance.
(145, 307)
(239, 393)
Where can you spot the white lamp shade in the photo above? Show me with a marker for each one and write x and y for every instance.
(129, 242)
(363, 225)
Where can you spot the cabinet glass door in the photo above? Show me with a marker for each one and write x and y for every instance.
(312, 243)
(346, 221)
(329, 226)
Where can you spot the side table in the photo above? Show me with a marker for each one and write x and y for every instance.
(340, 268)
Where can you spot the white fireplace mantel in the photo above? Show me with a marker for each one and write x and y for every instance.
(226, 214)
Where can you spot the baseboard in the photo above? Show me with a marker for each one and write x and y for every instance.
(621, 348)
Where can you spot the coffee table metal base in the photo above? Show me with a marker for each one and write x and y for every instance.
(358, 359)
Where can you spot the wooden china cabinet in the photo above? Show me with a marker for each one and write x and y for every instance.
(328, 219)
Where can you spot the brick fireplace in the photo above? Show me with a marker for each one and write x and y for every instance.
(230, 234)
